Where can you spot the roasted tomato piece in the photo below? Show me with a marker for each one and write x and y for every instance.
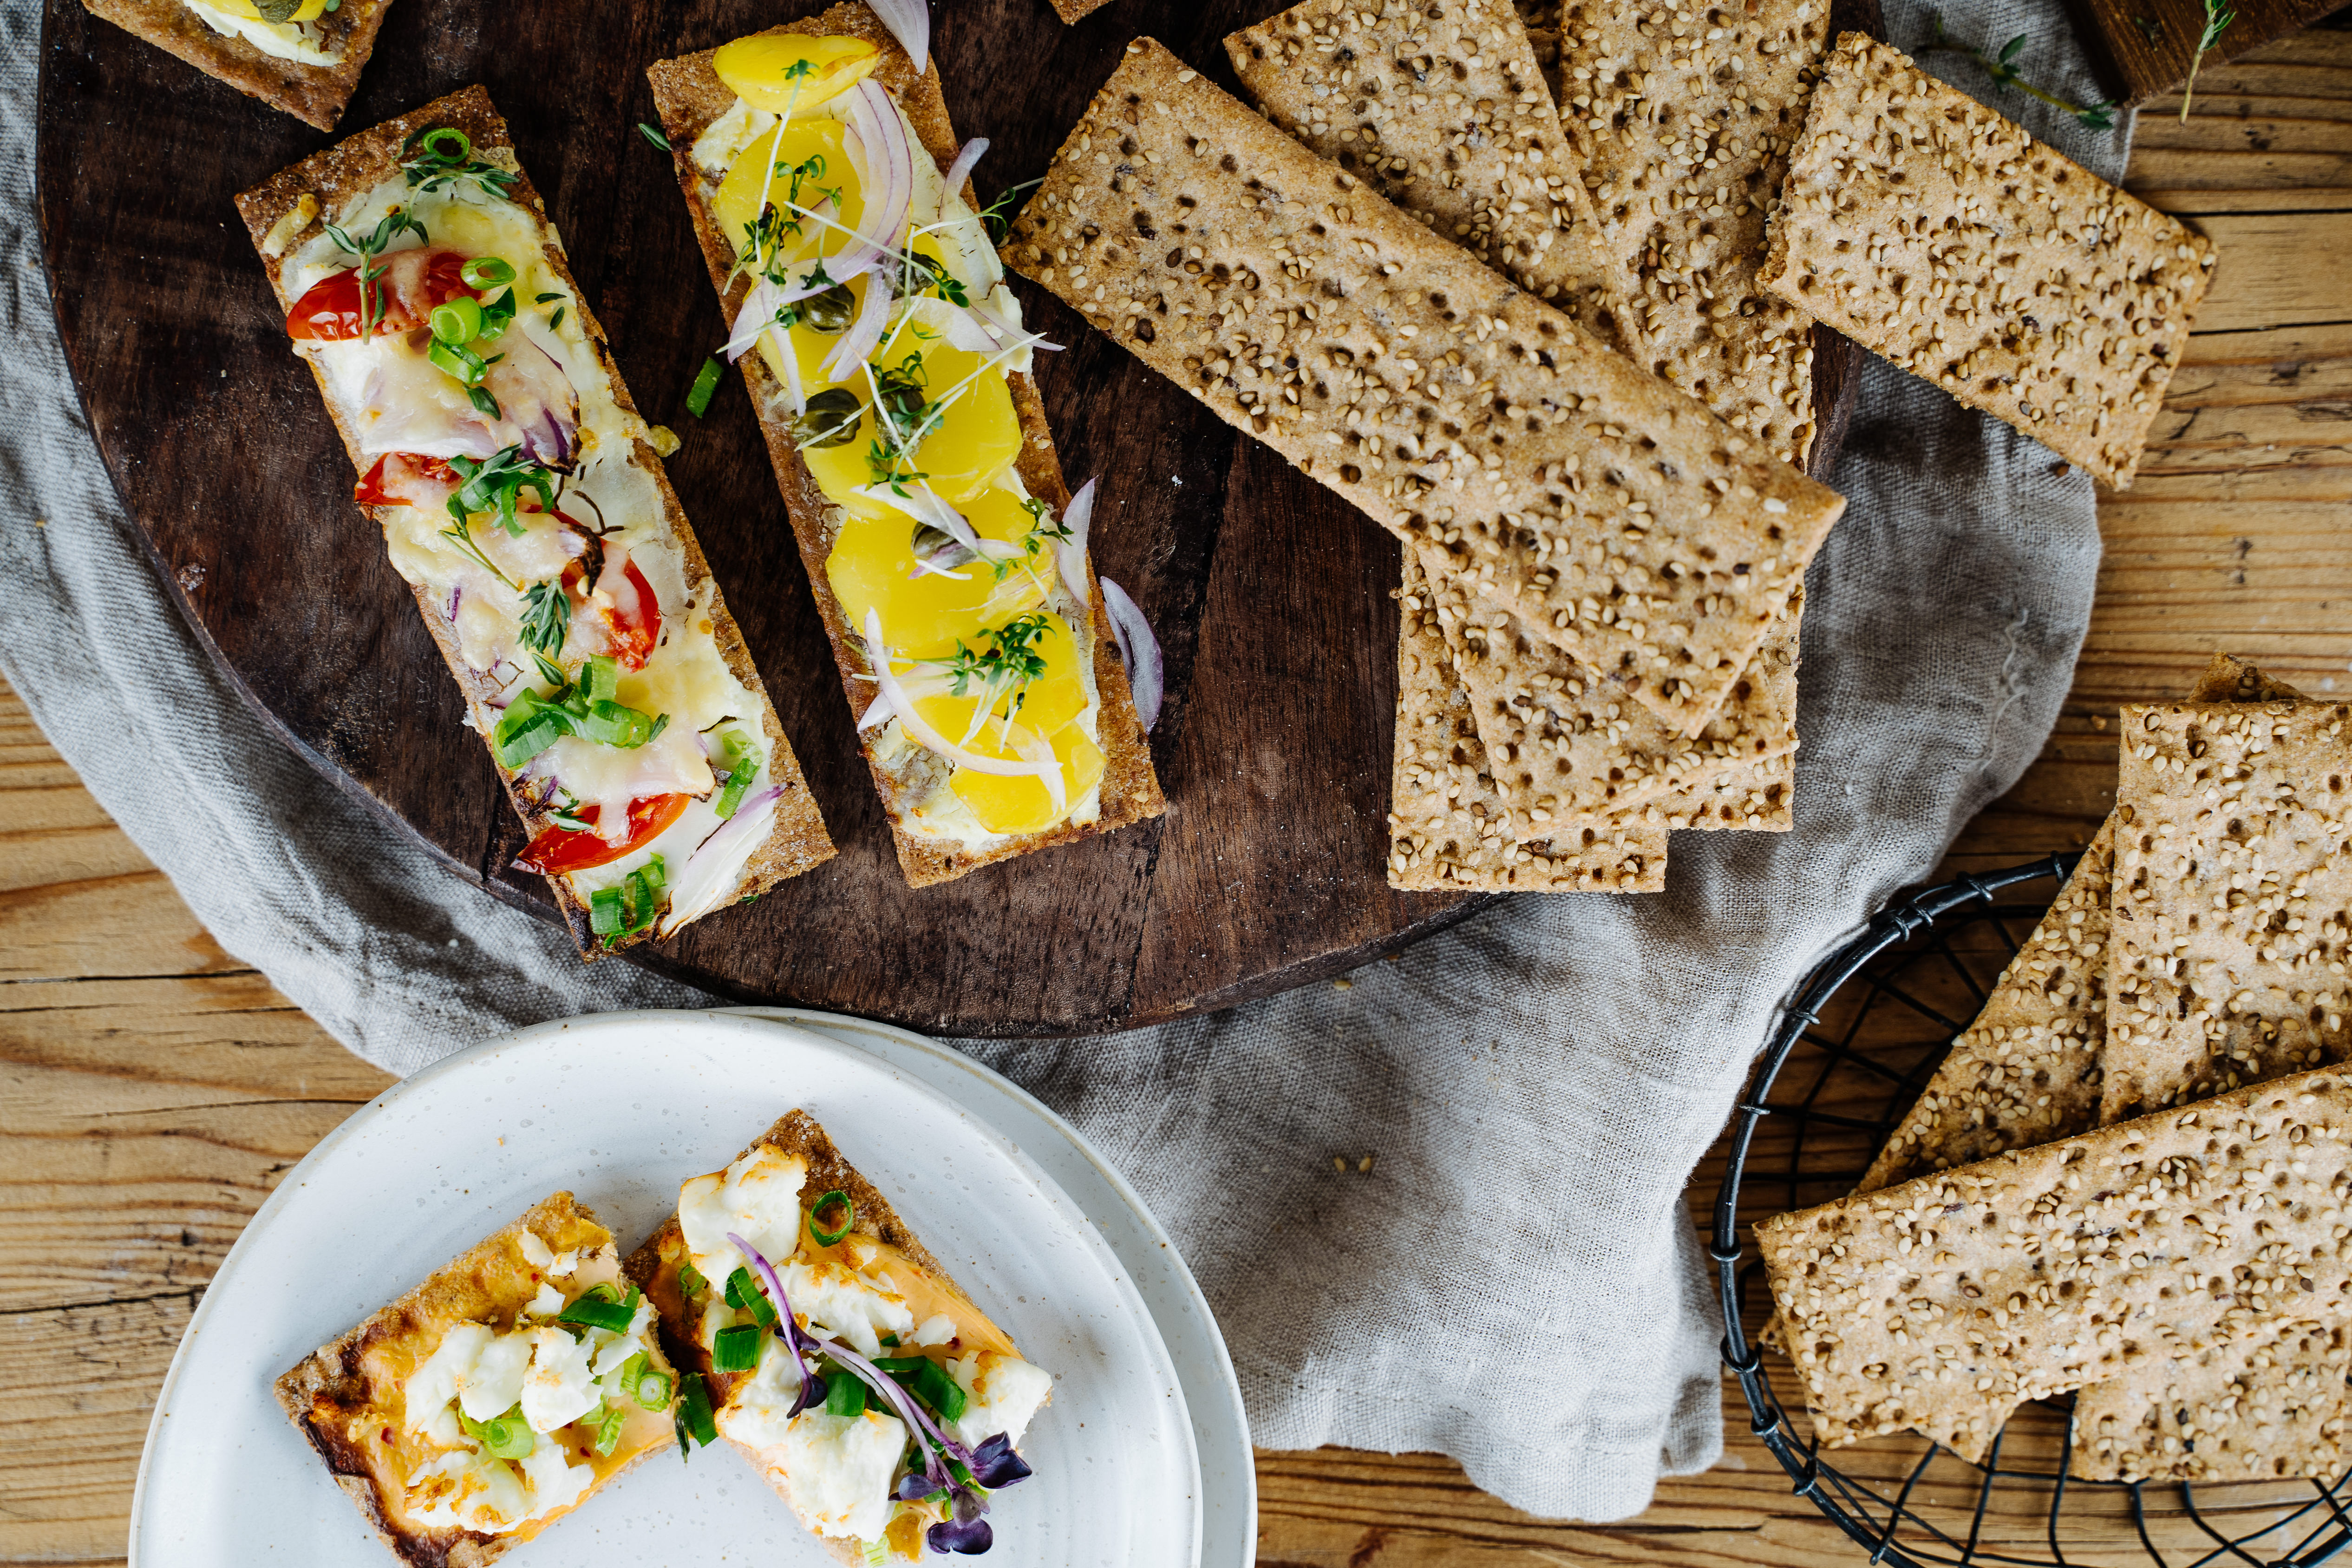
(403, 479)
(560, 851)
(413, 282)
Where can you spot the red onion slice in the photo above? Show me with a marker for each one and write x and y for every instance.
(903, 709)
(1070, 554)
(873, 316)
(965, 159)
(886, 164)
(910, 22)
(1139, 650)
(766, 297)
(711, 871)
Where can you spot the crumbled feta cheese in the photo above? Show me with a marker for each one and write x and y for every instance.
(757, 1197)
(559, 1389)
(847, 1304)
(535, 1252)
(547, 1303)
(760, 1407)
(1005, 1392)
(837, 1471)
(555, 1481)
(935, 1329)
(492, 1385)
(465, 1490)
(425, 1396)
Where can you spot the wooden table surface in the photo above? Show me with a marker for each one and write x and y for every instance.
(155, 1089)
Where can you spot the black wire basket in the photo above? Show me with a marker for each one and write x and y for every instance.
(1855, 1045)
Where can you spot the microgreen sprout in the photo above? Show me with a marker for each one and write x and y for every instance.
(370, 248)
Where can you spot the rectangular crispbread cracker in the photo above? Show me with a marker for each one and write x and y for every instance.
(1442, 107)
(1448, 830)
(2234, 899)
(1944, 1302)
(312, 93)
(690, 97)
(279, 213)
(1934, 232)
(2273, 1402)
(1682, 116)
(1563, 745)
(1615, 515)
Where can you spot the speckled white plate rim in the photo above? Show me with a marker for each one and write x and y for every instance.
(1234, 1508)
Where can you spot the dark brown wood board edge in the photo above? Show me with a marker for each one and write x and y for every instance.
(2142, 49)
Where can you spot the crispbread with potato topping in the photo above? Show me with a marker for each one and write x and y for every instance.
(1681, 116)
(1934, 232)
(1442, 107)
(1449, 830)
(313, 93)
(1617, 516)
(1944, 1302)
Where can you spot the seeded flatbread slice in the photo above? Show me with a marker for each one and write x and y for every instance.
(1448, 829)
(1944, 1302)
(2273, 1402)
(1562, 744)
(1441, 106)
(2234, 899)
(1616, 516)
(1682, 116)
(1934, 232)
(315, 93)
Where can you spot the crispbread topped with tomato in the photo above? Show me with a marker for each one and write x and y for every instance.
(522, 499)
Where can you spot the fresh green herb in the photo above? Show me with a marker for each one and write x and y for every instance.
(831, 418)
(743, 1291)
(706, 384)
(695, 1424)
(546, 617)
(496, 484)
(998, 214)
(889, 1339)
(736, 1349)
(1008, 662)
(461, 534)
(369, 249)
(614, 913)
(587, 708)
(487, 272)
(913, 273)
(507, 1436)
(556, 321)
(2098, 116)
(483, 402)
(653, 133)
(2217, 17)
(690, 1282)
(826, 1236)
(883, 467)
(543, 298)
(737, 765)
(438, 160)
(600, 1307)
(843, 1394)
(458, 321)
(608, 1428)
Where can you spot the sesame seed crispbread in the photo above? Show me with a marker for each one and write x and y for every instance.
(2272, 1402)
(1442, 107)
(1615, 515)
(313, 93)
(690, 97)
(1935, 233)
(1562, 745)
(281, 210)
(1448, 829)
(2234, 899)
(1682, 116)
(1946, 1301)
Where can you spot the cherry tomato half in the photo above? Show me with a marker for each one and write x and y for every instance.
(403, 479)
(413, 282)
(559, 851)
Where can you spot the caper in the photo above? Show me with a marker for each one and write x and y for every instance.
(277, 10)
(900, 396)
(830, 420)
(831, 312)
(914, 273)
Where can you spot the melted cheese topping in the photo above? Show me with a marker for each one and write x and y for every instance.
(611, 487)
(279, 40)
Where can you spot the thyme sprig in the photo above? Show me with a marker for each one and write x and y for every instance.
(440, 159)
(2217, 17)
(2100, 116)
(497, 483)
(546, 617)
(369, 249)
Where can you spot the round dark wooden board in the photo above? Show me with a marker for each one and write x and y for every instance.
(1271, 596)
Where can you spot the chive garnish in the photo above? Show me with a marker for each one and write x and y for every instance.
(706, 384)
(743, 1291)
(736, 1349)
(507, 1436)
(608, 1428)
(843, 1394)
(828, 1237)
(695, 1422)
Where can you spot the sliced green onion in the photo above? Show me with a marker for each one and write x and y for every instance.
(600, 678)
(609, 723)
(690, 1282)
(604, 916)
(458, 360)
(736, 1349)
(485, 271)
(608, 1428)
(744, 1291)
(653, 134)
(695, 1424)
(507, 1436)
(530, 725)
(595, 1311)
(448, 142)
(849, 1218)
(877, 1553)
(927, 1381)
(889, 1339)
(737, 768)
(458, 320)
(705, 383)
(645, 1383)
(843, 1394)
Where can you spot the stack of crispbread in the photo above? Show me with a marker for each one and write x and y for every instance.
(2201, 948)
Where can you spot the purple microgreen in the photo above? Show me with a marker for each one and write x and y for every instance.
(812, 1386)
(994, 1464)
(970, 1538)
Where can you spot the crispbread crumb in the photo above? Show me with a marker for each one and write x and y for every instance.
(1448, 830)
(1616, 516)
(1938, 234)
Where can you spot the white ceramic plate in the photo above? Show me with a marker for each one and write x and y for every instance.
(619, 1108)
